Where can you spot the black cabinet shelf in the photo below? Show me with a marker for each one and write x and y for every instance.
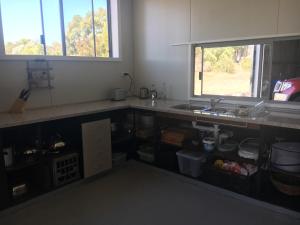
(116, 140)
(233, 156)
(22, 166)
(32, 193)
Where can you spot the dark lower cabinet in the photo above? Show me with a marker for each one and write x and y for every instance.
(4, 196)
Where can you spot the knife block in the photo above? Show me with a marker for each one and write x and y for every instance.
(18, 106)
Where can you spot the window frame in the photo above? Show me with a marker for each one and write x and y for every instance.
(65, 57)
(260, 42)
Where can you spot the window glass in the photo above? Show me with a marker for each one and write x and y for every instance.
(79, 27)
(229, 71)
(52, 27)
(34, 27)
(22, 27)
(101, 28)
(198, 71)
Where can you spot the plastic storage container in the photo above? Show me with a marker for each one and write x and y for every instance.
(191, 162)
(146, 154)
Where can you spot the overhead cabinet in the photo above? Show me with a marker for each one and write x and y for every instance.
(213, 20)
(289, 17)
(161, 21)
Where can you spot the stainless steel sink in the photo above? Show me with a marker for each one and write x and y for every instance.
(189, 107)
(217, 110)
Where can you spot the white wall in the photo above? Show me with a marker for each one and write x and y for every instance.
(75, 81)
(157, 25)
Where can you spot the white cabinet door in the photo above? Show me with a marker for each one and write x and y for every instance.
(162, 22)
(289, 17)
(96, 140)
(214, 20)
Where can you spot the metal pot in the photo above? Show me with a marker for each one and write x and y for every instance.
(286, 156)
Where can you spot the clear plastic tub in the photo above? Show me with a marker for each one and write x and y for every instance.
(191, 162)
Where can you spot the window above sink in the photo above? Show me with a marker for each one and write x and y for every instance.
(247, 70)
(228, 69)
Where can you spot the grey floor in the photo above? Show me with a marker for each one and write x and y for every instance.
(137, 194)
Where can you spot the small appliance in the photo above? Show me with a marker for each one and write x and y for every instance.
(118, 94)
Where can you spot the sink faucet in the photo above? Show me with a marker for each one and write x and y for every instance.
(214, 102)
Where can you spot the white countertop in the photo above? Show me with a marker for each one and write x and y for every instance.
(74, 110)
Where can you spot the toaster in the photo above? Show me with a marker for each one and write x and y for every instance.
(118, 94)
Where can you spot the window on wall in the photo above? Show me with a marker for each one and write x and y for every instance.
(228, 70)
(80, 28)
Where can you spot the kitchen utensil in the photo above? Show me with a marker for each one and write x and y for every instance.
(118, 94)
(57, 144)
(249, 149)
(146, 153)
(24, 95)
(144, 93)
(209, 144)
(31, 155)
(19, 190)
(8, 156)
(243, 110)
(225, 136)
(285, 187)
(286, 156)
(228, 146)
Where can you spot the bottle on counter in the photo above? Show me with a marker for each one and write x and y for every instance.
(153, 92)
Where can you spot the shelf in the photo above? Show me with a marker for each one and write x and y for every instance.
(229, 173)
(171, 145)
(188, 145)
(233, 156)
(22, 166)
(32, 193)
(122, 139)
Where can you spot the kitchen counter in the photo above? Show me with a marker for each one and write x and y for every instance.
(164, 106)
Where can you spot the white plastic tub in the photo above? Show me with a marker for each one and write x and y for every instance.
(191, 162)
(146, 154)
